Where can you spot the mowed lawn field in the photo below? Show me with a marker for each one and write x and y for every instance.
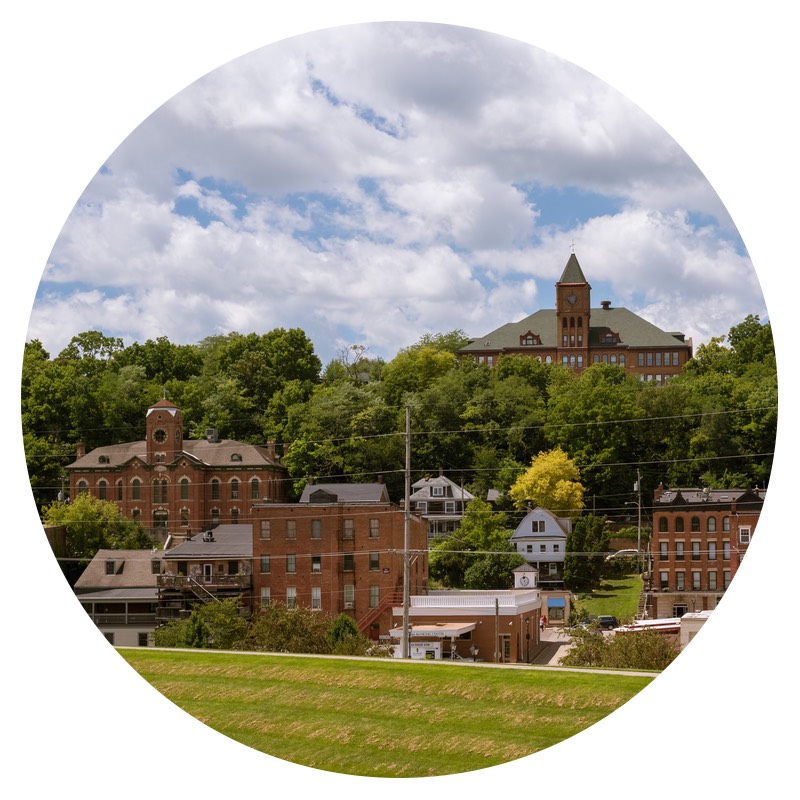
(382, 717)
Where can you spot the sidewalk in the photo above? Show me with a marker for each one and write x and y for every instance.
(554, 645)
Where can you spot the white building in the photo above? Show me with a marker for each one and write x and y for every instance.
(541, 539)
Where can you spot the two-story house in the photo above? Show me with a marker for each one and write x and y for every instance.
(699, 539)
(541, 539)
(440, 502)
(341, 549)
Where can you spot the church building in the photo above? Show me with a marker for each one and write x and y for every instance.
(576, 335)
(178, 486)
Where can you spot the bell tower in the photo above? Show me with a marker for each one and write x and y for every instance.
(573, 316)
(164, 432)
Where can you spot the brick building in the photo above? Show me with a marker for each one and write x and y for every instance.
(576, 335)
(698, 541)
(180, 486)
(340, 549)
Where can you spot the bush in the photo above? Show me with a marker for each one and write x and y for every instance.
(646, 649)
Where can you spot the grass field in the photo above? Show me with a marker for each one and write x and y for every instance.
(617, 596)
(382, 717)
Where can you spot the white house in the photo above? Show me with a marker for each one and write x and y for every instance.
(541, 539)
(440, 502)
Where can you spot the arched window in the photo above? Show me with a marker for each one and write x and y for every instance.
(679, 524)
(622, 359)
(255, 493)
(102, 490)
(136, 489)
(235, 488)
(695, 524)
(184, 517)
(712, 524)
(83, 487)
(160, 490)
(119, 489)
(215, 488)
(613, 358)
(662, 525)
(184, 484)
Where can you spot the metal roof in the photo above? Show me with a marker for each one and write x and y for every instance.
(229, 541)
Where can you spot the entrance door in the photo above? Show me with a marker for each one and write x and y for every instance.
(208, 573)
(505, 648)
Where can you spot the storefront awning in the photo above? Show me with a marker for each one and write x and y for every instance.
(556, 602)
(444, 630)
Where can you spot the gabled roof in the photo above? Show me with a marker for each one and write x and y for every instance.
(423, 489)
(132, 568)
(227, 541)
(345, 493)
(556, 528)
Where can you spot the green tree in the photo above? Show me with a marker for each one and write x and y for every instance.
(646, 649)
(478, 554)
(279, 629)
(587, 544)
(552, 482)
(216, 625)
(345, 638)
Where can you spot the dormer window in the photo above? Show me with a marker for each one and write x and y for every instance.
(236, 457)
(530, 339)
(103, 460)
(437, 491)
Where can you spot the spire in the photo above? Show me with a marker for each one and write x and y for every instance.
(573, 272)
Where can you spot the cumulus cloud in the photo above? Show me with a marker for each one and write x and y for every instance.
(371, 183)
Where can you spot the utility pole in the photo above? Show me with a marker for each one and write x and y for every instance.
(407, 538)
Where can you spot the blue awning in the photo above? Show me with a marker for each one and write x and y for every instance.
(556, 602)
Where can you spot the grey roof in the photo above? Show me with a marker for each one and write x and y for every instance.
(556, 531)
(697, 496)
(229, 541)
(210, 454)
(452, 490)
(132, 568)
(573, 272)
(633, 331)
(124, 593)
(346, 492)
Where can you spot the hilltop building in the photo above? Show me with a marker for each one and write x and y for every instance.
(576, 335)
(179, 486)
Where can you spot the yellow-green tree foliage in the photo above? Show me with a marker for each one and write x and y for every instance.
(553, 482)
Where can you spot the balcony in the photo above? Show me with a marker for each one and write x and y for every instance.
(189, 583)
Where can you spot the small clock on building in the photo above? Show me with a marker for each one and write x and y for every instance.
(159, 435)
(572, 299)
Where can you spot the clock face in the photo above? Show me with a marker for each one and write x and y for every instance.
(159, 435)
(572, 299)
(524, 580)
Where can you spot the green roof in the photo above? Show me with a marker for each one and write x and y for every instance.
(573, 272)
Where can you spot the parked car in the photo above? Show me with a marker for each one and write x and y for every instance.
(622, 554)
(607, 621)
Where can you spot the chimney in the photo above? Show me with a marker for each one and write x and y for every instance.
(270, 448)
(80, 449)
(606, 304)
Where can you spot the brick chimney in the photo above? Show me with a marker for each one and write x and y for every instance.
(80, 449)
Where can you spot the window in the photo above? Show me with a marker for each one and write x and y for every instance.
(119, 490)
(726, 578)
(680, 583)
(374, 596)
(316, 597)
(712, 581)
(679, 524)
(679, 609)
(666, 360)
(695, 551)
(142, 638)
(695, 524)
(291, 597)
(184, 518)
(542, 548)
(265, 596)
(291, 563)
(663, 579)
(348, 562)
(712, 551)
(374, 561)
(349, 595)
(726, 551)
(649, 359)
(316, 528)
(160, 490)
(641, 359)
(726, 523)
(214, 489)
(374, 528)
(234, 489)
(264, 532)
(110, 567)
(136, 489)
(437, 491)
(537, 526)
(556, 548)
(422, 507)
(622, 359)
(529, 548)
(696, 580)
(291, 529)
(316, 563)
(449, 506)
(102, 490)
(347, 532)
(663, 551)
(265, 564)
(679, 551)
(155, 566)
(744, 534)
(662, 525)
(711, 524)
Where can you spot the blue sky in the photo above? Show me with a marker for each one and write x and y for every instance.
(377, 182)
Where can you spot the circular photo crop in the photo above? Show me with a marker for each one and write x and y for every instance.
(399, 400)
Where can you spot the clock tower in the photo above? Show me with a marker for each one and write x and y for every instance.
(573, 315)
(164, 432)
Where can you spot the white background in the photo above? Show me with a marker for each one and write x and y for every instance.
(79, 76)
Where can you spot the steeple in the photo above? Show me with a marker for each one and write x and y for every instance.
(164, 431)
(573, 272)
